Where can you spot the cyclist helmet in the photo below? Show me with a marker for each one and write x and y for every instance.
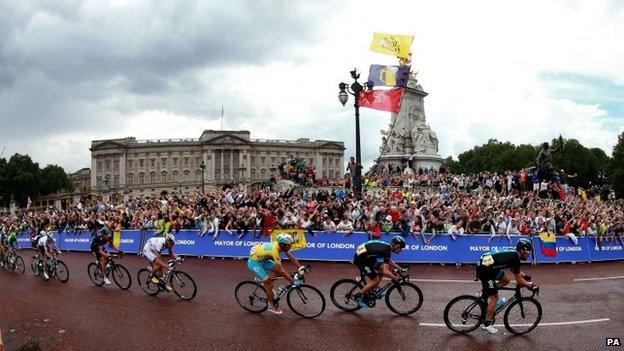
(285, 239)
(398, 241)
(524, 245)
(170, 237)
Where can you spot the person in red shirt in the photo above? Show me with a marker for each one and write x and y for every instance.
(269, 222)
(374, 230)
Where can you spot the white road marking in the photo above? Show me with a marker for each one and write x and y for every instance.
(443, 280)
(527, 325)
(603, 278)
(438, 280)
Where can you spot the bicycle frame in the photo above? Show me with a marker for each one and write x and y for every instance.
(381, 290)
(296, 275)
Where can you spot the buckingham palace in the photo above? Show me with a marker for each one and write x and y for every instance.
(143, 167)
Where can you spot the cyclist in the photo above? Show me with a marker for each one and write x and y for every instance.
(372, 259)
(46, 247)
(490, 273)
(152, 250)
(11, 244)
(266, 257)
(102, 237)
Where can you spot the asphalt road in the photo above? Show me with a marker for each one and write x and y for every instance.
(80, 316)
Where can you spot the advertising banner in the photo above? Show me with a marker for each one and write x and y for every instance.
(23, 241)
(606, 251)
(335, 247)
(78, 241)
(566, 251)
(130, 241)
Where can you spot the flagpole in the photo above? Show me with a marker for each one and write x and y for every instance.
(221, 117)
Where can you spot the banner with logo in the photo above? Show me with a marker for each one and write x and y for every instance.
(606, 251)
(335, 247)
(130, 241)
(566, 250)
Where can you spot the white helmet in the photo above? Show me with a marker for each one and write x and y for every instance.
(170, 237)
(285, 239)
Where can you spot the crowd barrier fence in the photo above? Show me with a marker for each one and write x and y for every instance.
(335, 247)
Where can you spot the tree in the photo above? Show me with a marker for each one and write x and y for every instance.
(617, 167)
(53, 179)
(21, 178)
(453, 166)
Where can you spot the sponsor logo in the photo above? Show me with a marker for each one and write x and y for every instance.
(613, 342)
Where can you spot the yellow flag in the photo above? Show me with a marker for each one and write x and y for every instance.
(392, 44)
(296, 233)
(116, 238)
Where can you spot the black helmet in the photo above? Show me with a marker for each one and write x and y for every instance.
(524, 244)
(398, 241)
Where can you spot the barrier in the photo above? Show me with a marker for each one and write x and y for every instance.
(608, 251)
(567, 251)
(334, 247)
(81, 241)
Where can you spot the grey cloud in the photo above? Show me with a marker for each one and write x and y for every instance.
(84, 66)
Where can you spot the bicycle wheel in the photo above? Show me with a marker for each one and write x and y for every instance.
(18, 265)
(122, 277)
(464, 314)
(144, 281)
(34, 262)
(523, 315)
(306, 301)
(95, 274)
(404, 298)
(251, 296)
(183, 285)
(62, 273)
(342, 294)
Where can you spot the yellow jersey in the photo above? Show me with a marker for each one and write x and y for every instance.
(265, 251)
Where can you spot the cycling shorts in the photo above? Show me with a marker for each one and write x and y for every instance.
(260, 268)
(489, 279)
(368, 266)
(96, 250)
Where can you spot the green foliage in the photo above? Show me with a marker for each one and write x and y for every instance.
(20, 177)
(496, 156)
(454, 166)
(53, 178)
(589, 165)
(616, 167)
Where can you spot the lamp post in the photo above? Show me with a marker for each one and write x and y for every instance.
(203, 170)
(343, 96)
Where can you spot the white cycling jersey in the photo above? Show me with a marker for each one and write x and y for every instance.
(153, 246)
(44, 241)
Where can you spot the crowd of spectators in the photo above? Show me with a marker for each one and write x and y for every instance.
(422, 204)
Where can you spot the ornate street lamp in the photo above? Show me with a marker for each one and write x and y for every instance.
(203, 170)
(343, 96)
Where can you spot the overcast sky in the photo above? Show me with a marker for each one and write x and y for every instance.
(75, 71)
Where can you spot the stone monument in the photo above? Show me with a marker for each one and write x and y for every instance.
(409, 137)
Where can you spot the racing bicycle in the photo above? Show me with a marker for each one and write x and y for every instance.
(305, 300)
(120, 274)
(55, 268)
(402, 298)
(182, 284)
(465, 313)
(12, 262)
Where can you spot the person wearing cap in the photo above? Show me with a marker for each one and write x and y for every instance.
(490, 272)
(372, 259)
(264, 258)
(151, 251)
